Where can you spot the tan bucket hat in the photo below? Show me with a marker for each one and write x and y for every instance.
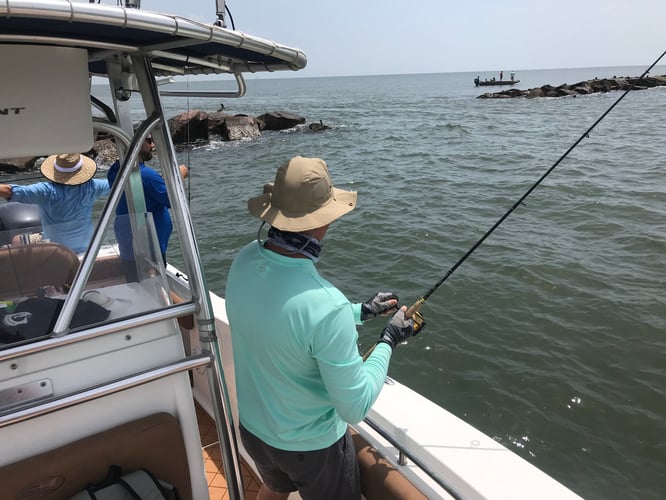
(69, 168)
(302, 197)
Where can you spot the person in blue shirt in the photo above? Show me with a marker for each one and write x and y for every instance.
(299, 376)
(157, 203)
(65, 201)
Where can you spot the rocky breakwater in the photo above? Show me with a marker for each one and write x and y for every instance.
(190, 129)
(581, 88)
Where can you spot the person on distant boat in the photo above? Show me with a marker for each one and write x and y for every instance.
(66, 200)
(501, 75)
(157, 203)
(299, 376)
(513, 76)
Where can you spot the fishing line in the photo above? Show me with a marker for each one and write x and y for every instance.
(189, 176)
(413, 310)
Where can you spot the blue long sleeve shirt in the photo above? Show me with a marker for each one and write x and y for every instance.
(299, 376)
(65, 211)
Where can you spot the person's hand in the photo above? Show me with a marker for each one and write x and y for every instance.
(398, 329)
(382, 303)
(184, 171)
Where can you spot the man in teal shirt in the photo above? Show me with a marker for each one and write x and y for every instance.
(299, 376)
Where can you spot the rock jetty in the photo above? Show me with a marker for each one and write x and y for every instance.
(191, 128)
(581, 88)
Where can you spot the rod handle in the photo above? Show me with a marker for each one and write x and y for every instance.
(414, 307)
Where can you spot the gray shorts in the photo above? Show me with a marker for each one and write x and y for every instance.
(329, 473)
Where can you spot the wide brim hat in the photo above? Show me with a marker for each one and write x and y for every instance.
(69, 168)
(302, 197)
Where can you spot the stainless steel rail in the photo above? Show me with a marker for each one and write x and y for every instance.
(116, 386)
(170, 312)
(194, 269)
(403, 451)
(81, 278)
(229, 95)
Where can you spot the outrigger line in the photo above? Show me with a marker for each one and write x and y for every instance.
(413, 311)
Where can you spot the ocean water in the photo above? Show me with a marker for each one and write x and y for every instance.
(551, 336)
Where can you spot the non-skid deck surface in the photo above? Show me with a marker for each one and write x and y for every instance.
(217, 483)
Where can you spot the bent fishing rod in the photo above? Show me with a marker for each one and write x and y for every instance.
(413, 310)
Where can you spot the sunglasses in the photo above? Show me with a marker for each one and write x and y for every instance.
(149, 140)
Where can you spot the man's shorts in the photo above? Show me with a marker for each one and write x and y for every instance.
(330, 473)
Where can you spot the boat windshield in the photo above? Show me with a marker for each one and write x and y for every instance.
(127, 278)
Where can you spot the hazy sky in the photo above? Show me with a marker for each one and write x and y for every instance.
(367, 37)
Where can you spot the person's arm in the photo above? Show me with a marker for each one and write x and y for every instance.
(5, 191)
(352, 385)
(30, 193)
(184, 171)
(102, 187)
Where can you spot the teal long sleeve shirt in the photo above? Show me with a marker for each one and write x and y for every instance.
(299, 376)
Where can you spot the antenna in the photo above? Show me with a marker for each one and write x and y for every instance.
(220, 13)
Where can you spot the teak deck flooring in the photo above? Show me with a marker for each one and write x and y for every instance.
(217, 483)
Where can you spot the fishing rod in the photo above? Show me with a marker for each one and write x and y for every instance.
(413, 310)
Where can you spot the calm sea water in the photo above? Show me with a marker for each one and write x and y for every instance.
(551, 337)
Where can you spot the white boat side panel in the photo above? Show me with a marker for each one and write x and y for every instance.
(105, 357)
(92, 363)
(474, 464)
(171, 394)
(74, 367)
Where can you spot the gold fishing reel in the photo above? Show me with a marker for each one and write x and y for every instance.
(419, 321)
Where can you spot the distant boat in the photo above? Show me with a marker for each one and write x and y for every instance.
(488, 83)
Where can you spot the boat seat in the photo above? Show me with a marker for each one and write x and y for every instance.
(25, 268)
(379, 478)
(154, 443)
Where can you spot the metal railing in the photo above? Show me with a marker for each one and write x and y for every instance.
(38, 409)
(404, 452)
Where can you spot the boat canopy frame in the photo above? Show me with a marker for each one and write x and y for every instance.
(133, 47)
(174, 45)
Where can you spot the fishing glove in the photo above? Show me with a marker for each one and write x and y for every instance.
(381, 303)
(398, 329)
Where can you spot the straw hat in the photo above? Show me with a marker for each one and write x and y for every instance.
(69, 168)
(302, 197)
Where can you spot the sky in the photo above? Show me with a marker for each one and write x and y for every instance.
(375, 37)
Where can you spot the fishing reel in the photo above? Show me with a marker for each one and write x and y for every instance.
(419, 322)
(413, 312)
